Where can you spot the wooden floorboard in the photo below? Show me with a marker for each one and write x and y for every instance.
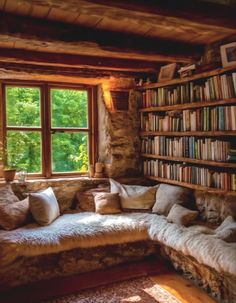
(159, 272)
(184, 290)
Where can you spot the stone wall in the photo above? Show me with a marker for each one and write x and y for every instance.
(118, 141)
(212, 52)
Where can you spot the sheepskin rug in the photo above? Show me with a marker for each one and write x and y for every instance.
(196, 241)
(73, 231)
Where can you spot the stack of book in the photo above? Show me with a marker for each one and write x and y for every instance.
(218, 118)
(186, 71)
(190, 174)
(213, 88)
(188, 147)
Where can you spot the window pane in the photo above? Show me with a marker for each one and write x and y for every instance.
(24, 150)
(70, 152)
(69, 108)
(23, 106)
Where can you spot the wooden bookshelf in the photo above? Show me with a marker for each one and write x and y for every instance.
(199, 104)
(193, 186)
(190, 160)
(207, 74)
(189, 133)
(148, 122)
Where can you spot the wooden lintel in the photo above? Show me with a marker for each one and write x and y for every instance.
(80, 61)
(51, 36)
(6, 67)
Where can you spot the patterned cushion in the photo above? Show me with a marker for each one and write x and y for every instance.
(14, 215)
(6, 194)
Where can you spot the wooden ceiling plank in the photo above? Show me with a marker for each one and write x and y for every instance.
(87, 40)
(207, 13)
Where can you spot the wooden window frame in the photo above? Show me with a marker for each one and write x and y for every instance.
(45, 127)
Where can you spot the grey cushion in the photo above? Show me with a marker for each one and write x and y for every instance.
(168, 195)
(181, 215)
(44, 206)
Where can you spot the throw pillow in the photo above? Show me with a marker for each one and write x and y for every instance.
(168, 195)
(85, 199)
(44, 206)
(181, 215)
(14, 215)
(7, 195)
(134, 196)
(107, 203)
(227, 230)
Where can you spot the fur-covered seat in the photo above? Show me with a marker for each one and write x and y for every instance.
(85, 241)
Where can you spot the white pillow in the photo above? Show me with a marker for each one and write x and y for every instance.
(44, 206)
(134, 196)
(227, 230)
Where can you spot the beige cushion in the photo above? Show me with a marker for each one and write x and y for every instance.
(181, 215)
(134, 196)
(107, 203)
(44, 206)
(168, 195)
(227, 230)
(85, 199)
(14, 215)
(7, 195)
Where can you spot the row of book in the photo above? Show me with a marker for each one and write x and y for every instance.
(187, 147)
(232, 155)
(201, 119)
(214, 88)
(190, 174)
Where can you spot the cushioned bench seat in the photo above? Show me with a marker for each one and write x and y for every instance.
(79, 230)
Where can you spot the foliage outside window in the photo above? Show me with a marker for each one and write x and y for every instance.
(47, 135)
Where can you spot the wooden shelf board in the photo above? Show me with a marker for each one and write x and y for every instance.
(189, 133)
(187, 79)
(193, 186)
(190, 160)
(189, 105)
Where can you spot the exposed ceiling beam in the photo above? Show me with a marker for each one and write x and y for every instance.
(28, 33)
(203, 12)
(28, 69)
(79, 61)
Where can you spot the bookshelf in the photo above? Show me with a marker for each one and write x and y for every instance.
(188, 129)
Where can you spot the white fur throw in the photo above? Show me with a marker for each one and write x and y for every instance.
(72, 231)
(198, 242)
(90, 229)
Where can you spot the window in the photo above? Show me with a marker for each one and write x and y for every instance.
(49, 130)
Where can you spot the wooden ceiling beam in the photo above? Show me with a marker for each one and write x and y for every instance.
(52, 36)
(28, 69)
(79, 61)
(202, 12)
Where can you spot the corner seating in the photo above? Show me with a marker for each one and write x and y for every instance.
(85, 241)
